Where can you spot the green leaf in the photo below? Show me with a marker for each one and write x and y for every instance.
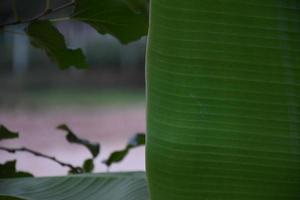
(223, 93)
(117, 156)
(137, 140)
(71, 137)
(45, 36)
(8, 170)
(5, 133)
(127, 20)
(88, 165)
(110, 186)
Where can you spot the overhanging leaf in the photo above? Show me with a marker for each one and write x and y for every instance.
(117, 156)
(127, 20)
(110, 186)
(71, 137)
(8, 170)
(45, 36)
(5, 133)
(223, 93)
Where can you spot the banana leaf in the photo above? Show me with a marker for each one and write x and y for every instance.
(107, 186)
(223, 92)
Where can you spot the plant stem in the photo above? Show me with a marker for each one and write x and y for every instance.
(43, 14)
(38, 154)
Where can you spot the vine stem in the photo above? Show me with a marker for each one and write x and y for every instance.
(38, 154)
(43, 14)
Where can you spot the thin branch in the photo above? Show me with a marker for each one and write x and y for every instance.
(38, 154)
(43, 14)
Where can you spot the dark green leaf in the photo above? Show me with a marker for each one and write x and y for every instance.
(88, 165)
(8, 170)
(127, 20)
(45, 36)
(76, 170)
(223, 93)
(108, 186)
(117, 156)
(137, 140)
(71, 137)
(5, 133)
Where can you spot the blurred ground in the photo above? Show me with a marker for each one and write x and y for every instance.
(108, 117)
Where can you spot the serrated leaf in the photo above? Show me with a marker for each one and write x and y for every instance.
(71, 137)
(106, 186)
(117, 156)
(127, 20)
(8, 170)
(44, 35)
(88, 165)
(5, 133)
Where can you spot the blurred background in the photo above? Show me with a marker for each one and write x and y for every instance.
(105, 103)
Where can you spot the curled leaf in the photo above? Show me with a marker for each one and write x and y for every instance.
(71, 137)
(117, 156)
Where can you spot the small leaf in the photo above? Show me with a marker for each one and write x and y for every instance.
(45, 36)
(8, 170)
(88, 165)
(137, 140)
(5, 133)
(77, 170)
(117, 156)
(71, 137)
(127, 20)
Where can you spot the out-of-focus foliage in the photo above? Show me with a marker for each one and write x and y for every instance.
(5, 133)
(45, 36)
(8, 170)
(71, 137)
(127, 20)
(117, 156)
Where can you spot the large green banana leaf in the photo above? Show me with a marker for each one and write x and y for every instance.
(223, 80)
(110, 186)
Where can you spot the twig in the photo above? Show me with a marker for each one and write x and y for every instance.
(38, 154)
(43, 14)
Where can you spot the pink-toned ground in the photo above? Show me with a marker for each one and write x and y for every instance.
(112, 126)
